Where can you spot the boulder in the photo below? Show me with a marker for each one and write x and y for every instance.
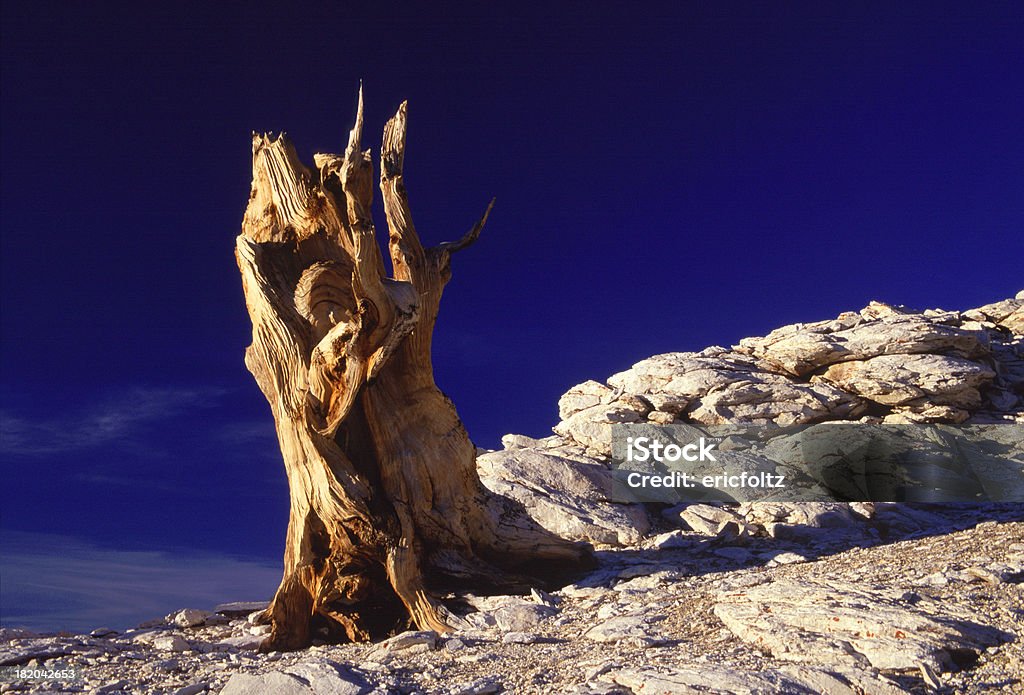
(171, 643)
(272, 683)
(411, 641)
(326, 677)
(703, 679)
(804, 348)
(713, 521)
(569, 496)
(1008, 314)
(188, 617)
(582, 397)
(517, 617)
(920, 380)
(634, 629)
(854, 626)
(592, 427)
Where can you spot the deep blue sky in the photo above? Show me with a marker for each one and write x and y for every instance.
(668, 177)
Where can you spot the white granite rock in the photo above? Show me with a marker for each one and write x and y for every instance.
(171, 643)
(272, 683)
(326, 677)
(188, 617)
(569, 497)
(838, 623)
(922, 380)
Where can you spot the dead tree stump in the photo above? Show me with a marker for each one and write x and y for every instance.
(387, 509)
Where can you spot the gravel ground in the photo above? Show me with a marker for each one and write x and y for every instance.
(644, 622)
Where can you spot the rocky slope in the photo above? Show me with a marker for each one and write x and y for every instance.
(756, 598)
(883, 364)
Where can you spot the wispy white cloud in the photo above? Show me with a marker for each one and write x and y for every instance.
(53, 582)
(116, 418)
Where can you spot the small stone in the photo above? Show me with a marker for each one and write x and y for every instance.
(581, 592)
(661, 418)
(103, 632)
(412, 641)
(193, 689)
(171, 643)
(641, 570)
(863, 509)
(966, 577)
(673, 540)
(521, 617)
(519, 638)
(787, 559)
(742, 580)
(188, 617)
(713, 521)
(983, 574)
(625, 628)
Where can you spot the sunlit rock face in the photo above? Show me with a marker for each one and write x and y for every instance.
(881, 364)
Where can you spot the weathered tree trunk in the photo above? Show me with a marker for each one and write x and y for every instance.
(386, 504)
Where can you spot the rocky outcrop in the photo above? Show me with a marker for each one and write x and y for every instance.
(881, 364)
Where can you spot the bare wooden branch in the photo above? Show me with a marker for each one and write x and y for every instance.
(407, 255)
(470, 237)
